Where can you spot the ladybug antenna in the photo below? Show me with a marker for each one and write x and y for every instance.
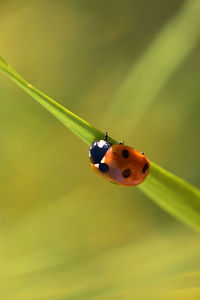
(106, 136)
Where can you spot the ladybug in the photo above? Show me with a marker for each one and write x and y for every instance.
(118, 163)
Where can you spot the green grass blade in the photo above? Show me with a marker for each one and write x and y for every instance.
(78, 126)
(173, 194)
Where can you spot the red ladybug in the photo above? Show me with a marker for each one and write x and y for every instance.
(118, 163)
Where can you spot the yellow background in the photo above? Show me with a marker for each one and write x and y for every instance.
(65, 233)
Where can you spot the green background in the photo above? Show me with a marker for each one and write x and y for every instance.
(65, 233)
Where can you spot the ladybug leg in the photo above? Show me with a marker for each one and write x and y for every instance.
(114, 182)
(121, 143)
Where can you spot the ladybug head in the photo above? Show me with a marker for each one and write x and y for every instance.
(97, 151)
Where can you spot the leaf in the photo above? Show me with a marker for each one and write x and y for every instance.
(173, 194)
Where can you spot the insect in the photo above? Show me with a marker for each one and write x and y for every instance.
(118, 163)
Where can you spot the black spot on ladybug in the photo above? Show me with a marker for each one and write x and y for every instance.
(125, 153)
(126, 173)
(145, 168)
(103, 167)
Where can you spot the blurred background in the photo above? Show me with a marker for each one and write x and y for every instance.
(128, 67)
